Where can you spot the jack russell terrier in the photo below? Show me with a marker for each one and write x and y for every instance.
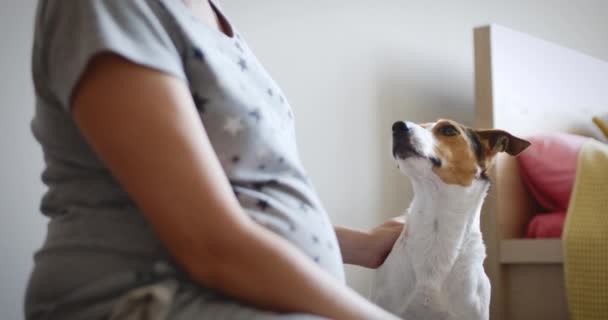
(435, 269)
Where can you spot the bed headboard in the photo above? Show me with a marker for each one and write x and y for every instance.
(526, 85)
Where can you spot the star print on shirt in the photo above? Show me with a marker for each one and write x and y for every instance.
(200, 102)
(261, 184)
(198, 54)
(262, 204)
(269, 92)
(238, 46)
(255, 114)
(243, 64)
(233, 125)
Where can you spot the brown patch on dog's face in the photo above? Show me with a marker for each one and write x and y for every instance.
(466, 154)
(458, 160)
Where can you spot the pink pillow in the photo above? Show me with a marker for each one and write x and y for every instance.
(547, 225)
(548, 168)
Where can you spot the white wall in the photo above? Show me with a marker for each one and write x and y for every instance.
(21, 225)
(349, 68)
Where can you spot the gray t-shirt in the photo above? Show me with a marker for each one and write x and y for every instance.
(95, 230)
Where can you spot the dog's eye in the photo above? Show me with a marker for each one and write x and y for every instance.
(448, 130)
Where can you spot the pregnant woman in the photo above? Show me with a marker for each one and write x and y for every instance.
(175, 189)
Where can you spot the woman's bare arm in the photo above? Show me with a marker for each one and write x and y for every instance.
(369, 249)
(144, 127)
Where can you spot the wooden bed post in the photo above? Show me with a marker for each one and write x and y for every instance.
(484, 119)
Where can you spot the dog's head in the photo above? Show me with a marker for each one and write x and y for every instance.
(453, 152)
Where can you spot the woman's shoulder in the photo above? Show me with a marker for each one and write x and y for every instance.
(68, 34)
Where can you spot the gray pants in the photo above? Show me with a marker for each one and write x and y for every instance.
(163, 295)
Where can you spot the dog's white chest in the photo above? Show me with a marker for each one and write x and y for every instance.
(435, 270)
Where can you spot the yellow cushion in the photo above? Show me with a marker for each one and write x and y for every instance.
(585, 236)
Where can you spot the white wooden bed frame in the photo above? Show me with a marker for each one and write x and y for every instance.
(526, 85)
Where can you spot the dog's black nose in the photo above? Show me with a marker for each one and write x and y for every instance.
(400, 127)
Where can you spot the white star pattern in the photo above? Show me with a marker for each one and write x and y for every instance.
(262, 152)
(233, 125)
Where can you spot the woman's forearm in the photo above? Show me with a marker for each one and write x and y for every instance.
(268, 271)
(354, 246)
(369, 249)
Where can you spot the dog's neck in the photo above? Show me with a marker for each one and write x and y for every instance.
(442, 221)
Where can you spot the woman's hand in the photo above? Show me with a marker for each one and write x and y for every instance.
(381, 241)
(369, 249)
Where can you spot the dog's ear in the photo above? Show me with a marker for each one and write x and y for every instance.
(495, 141)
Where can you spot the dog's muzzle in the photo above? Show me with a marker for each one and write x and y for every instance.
(404, 148)
(402, 141)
